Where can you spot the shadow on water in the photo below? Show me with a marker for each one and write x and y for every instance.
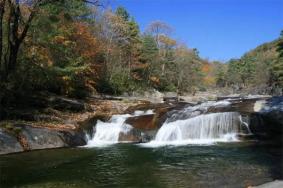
(127, 165)
(112, 167)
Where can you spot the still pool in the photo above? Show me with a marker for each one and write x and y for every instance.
(129, 165)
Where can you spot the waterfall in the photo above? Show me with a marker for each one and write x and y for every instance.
(191, 125)
(194, 111)
(202, 129)
(107, 133)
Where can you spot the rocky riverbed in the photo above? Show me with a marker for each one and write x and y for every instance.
(63, 122)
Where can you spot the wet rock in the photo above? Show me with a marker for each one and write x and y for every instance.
(142, 107)
(171, 99)
(33, 116)
(9, 143)
(235, 96)
(145, 127)
(137, 136)
(43, 138)
(267, 122)
(89, 123)
(133, 135)
(39, 138)
(144, 122)
(246, 137)
(61, 103)
(244, 106)
(258, 127)
(73, 138)
(273, 184)
(150, 121)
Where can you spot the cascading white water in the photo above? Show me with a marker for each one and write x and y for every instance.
(107, 133)
(187, 126)
(193, 111)
(203, 129)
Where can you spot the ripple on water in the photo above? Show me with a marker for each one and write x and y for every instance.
(128, 165)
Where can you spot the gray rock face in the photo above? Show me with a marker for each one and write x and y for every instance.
(272, 104)
(137, 136)
(42, 138)
(61, 103)
(274, 184)
(39, 138)
(73, 138)
(9, 144)
(267, 122)
(133, 135)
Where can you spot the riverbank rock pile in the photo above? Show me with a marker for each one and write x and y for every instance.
(64, 122)
(56, 122)
(25, 137)
(267, 120)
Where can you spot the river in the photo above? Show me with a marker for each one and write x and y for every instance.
(237, 164)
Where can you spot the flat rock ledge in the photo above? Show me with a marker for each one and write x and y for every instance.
(273, 184)
(25, 138)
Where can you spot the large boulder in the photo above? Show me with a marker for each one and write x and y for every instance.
(9, 143)
(43, 138)
(144, 122)
(38, 138)
(87, 125)
(34, 138)
(150, 122)
(244, 106)
(73, 138)
(62, 103)
(273, 184)
(267, 121)
(142, 107)
(145, 127)
(134, 135)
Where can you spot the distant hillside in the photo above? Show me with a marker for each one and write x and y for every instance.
(268, 63)
(258, 71)
(267, 50)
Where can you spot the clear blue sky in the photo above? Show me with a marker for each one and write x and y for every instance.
(219, 29)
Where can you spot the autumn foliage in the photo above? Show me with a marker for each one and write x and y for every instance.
(75, 49)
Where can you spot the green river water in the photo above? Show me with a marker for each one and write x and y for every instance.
(130, 165)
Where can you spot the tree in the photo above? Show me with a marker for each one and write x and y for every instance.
(149, 49)
(2, 10)
(122, 12)
(61, 45)
(149, 54)
(20, 14)
(158, 28)
(187, 74)
(233, 76)
(220, 70)
(277, 67)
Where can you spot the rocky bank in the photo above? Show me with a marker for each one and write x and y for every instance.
(63, 122)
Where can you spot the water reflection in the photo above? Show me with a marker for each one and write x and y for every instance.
(126, 165)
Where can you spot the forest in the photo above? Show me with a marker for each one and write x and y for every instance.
(78, 48)
(92, 96)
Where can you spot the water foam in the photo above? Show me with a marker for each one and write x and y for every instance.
(107, 133)
(202, 130)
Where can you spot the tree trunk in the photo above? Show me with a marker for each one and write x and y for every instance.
(14, 36)
(13, 55)
(17, 30)
(2, 9)
(163, 69)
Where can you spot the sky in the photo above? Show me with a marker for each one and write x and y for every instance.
(219, 29)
